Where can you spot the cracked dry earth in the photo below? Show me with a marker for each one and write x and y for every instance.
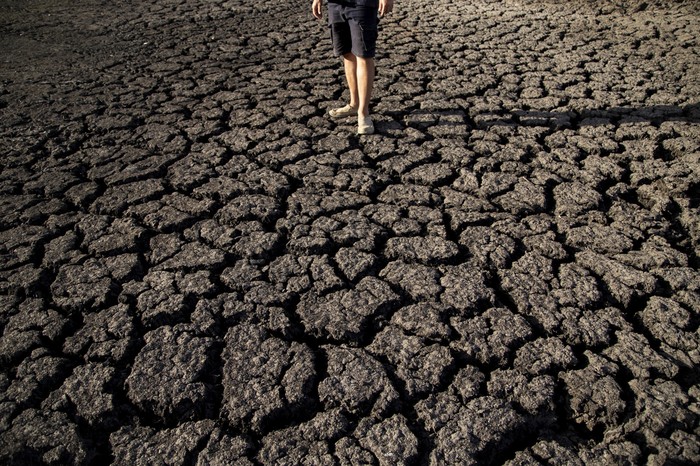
(200, 268)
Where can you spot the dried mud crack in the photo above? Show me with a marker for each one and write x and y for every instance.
(199, 267)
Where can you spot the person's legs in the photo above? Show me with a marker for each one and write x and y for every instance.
(354, 32)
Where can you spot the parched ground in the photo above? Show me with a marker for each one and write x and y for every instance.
(198, 267)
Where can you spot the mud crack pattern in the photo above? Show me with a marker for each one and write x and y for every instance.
(199, 267)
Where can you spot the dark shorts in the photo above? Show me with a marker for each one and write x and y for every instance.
(353, 29)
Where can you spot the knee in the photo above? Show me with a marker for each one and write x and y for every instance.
(365, 62)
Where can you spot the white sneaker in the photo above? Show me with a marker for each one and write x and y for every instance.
(364, 125)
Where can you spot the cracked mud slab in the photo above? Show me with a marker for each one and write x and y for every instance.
(200, 267)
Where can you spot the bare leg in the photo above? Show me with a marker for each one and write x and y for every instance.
(350, 63)
(365, 81)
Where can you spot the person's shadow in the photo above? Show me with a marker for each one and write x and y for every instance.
(655, 114)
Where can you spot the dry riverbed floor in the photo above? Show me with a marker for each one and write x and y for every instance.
(199, 267)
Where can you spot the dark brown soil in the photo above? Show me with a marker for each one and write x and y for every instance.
(199, 267)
